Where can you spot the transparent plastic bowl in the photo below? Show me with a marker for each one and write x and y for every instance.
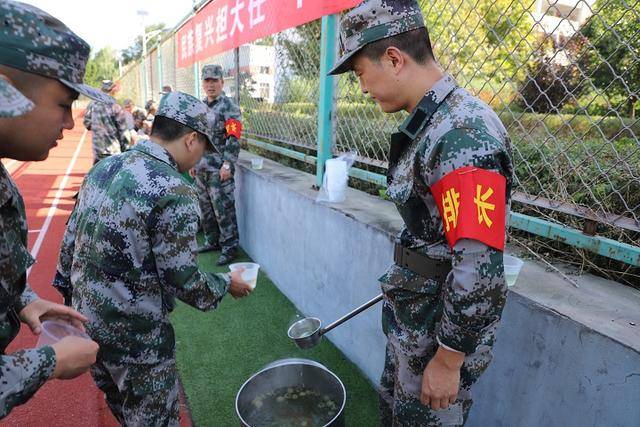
(512, 267)
(54, 330)
(250, 273)
(257, 163)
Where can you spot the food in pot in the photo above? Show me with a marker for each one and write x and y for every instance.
(292, 407)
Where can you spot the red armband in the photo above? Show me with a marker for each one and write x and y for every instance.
(233, 127)
(472, 205)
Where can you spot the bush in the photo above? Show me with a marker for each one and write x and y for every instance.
(549, 85)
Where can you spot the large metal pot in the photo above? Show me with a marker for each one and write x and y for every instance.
(289, 373)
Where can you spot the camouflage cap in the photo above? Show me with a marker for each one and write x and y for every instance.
(31, 40)
(188, 110)
(107, 85)
(371, 21)
(211, 71)
(12, 102)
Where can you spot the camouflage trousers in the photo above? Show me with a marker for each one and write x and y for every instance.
(140, 395)
(218, 205)
(409, 320)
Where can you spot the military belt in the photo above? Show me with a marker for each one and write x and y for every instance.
(421, 264)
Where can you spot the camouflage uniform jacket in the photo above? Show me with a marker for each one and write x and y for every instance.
(222, 109)
(449, 129)
(23, 372)
(130, 248)
(109, 126)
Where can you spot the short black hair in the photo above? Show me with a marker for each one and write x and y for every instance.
(416, 43)
(170, 130)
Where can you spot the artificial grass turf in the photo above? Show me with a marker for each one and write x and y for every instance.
(218, 351)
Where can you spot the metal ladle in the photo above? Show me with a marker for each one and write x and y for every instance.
(307, 332)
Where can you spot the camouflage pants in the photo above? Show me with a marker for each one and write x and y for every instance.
(218, 205)
(140, 395)
(409, 321)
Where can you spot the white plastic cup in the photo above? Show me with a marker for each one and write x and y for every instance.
(512, 267)
(250, 273)
(256, 163)
(54, 330)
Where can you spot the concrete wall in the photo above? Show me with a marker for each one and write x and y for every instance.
(564, 356)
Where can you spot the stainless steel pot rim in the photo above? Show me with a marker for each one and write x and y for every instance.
(296, 362)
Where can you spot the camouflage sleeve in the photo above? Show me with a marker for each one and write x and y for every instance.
(232, 145)
(86, 121)
(174, 223)
(120, 121)
(475, 292)
(27, 297)
(23, 373)
(62, 279)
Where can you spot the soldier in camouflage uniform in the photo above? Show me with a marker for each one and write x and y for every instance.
(108, 125)
(214, 173)
(44, 60)
(450, 177)
(129, 249)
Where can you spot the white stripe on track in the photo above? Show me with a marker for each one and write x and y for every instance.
(10, 163)
(56, 200)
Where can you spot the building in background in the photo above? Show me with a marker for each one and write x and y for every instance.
(562, 18)
(257, 72)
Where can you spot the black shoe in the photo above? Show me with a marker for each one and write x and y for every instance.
(208, 248)
(226, 258)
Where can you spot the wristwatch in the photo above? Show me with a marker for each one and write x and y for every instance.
(226, 166)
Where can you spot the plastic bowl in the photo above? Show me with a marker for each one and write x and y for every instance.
(512, 267)
(250, 273)
(54, 330)
(257, 163)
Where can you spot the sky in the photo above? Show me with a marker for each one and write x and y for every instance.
(114, 23)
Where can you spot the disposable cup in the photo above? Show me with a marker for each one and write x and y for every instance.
(250, 273)
(512, 267)
(54, 330)
(256, 163)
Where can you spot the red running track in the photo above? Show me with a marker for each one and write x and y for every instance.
(48, 188)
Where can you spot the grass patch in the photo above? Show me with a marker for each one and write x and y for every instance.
(218, 351)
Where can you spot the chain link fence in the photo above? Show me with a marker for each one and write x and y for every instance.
(563, 75)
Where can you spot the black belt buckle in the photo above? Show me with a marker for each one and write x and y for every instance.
(421, 264)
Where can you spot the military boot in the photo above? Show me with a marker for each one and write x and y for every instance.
(208, 247)
(227, 256)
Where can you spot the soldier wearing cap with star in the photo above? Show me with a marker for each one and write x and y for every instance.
(214, 173)
(130, 249)
(42, 66)
(450, 176)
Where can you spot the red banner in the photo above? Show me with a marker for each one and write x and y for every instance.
(472, 204)
(226, 24)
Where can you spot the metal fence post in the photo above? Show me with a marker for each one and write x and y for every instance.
(236, 57)
(326, 103)
(160, 84)
(196, 79)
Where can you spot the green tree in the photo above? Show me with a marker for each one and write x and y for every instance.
(302, 47)
(612, 55)
(102, 66)
(134, 52)
(484, 43)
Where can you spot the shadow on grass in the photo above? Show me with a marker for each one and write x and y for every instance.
(218, 351)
